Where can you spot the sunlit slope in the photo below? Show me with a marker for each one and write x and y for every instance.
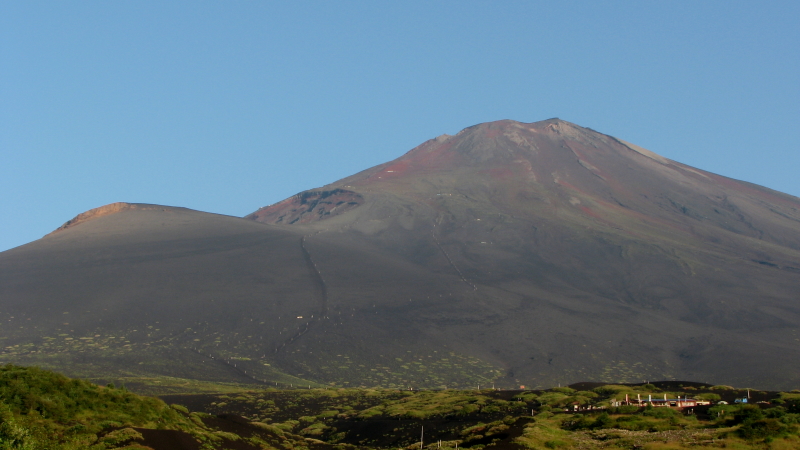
(581, 256)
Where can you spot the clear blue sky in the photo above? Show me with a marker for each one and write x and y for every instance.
(229, 106)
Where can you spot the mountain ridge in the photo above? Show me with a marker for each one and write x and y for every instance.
(515, 253)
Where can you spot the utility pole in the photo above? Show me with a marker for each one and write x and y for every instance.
(421, 436)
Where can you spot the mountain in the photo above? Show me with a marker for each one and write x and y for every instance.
(510, 253)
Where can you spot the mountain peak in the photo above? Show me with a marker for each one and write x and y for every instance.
(516, 253)
(484, 145)
(597, 177)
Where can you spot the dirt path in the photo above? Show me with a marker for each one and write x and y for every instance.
(231, 366)
(452, 264)
(322, 288)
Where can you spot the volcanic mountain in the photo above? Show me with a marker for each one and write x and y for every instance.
(510, 253)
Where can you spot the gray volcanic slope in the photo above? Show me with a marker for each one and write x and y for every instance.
(510, 253)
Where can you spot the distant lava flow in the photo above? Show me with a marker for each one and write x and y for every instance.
(513, 253)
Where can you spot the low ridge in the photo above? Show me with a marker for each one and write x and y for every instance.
(111, 208)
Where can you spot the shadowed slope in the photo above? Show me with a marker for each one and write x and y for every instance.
(159, 291)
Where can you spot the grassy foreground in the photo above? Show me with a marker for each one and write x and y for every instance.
(44, 410)
(40, 409)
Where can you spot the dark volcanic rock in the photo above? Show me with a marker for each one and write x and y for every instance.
(519, 254)
(308, 206)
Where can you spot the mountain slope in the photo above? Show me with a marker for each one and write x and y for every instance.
(588, 233)
(510, 253)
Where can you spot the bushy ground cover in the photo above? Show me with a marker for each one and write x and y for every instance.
(42, 406)
(567, 417)
(40, 409)
(44, 410)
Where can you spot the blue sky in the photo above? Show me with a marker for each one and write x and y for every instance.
(229, 106)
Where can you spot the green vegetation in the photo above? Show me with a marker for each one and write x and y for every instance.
(44, 410)
(53, 407)
(40, 409)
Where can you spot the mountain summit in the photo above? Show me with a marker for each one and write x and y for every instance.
(555, 169)
(511, 253)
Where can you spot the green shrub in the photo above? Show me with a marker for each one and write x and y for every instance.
(12, 434)
(789, 419)
(271, 428)
(661, 413)
(610, 389)
(372, 412)
(180, 408)
(314, 430)
(557, 399)
(763, 429)
(747, 414)
(577, 422)
(106, 424)
(603, 421)
(77, 428)
(419, 415)
(526, 397)
(563, 390)
(121, 436)
(633, 423)
(467, 409)
(625, 409)
(475, 429)
(289, 425)
(775, 413)
(228, 436)
(721, 411)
